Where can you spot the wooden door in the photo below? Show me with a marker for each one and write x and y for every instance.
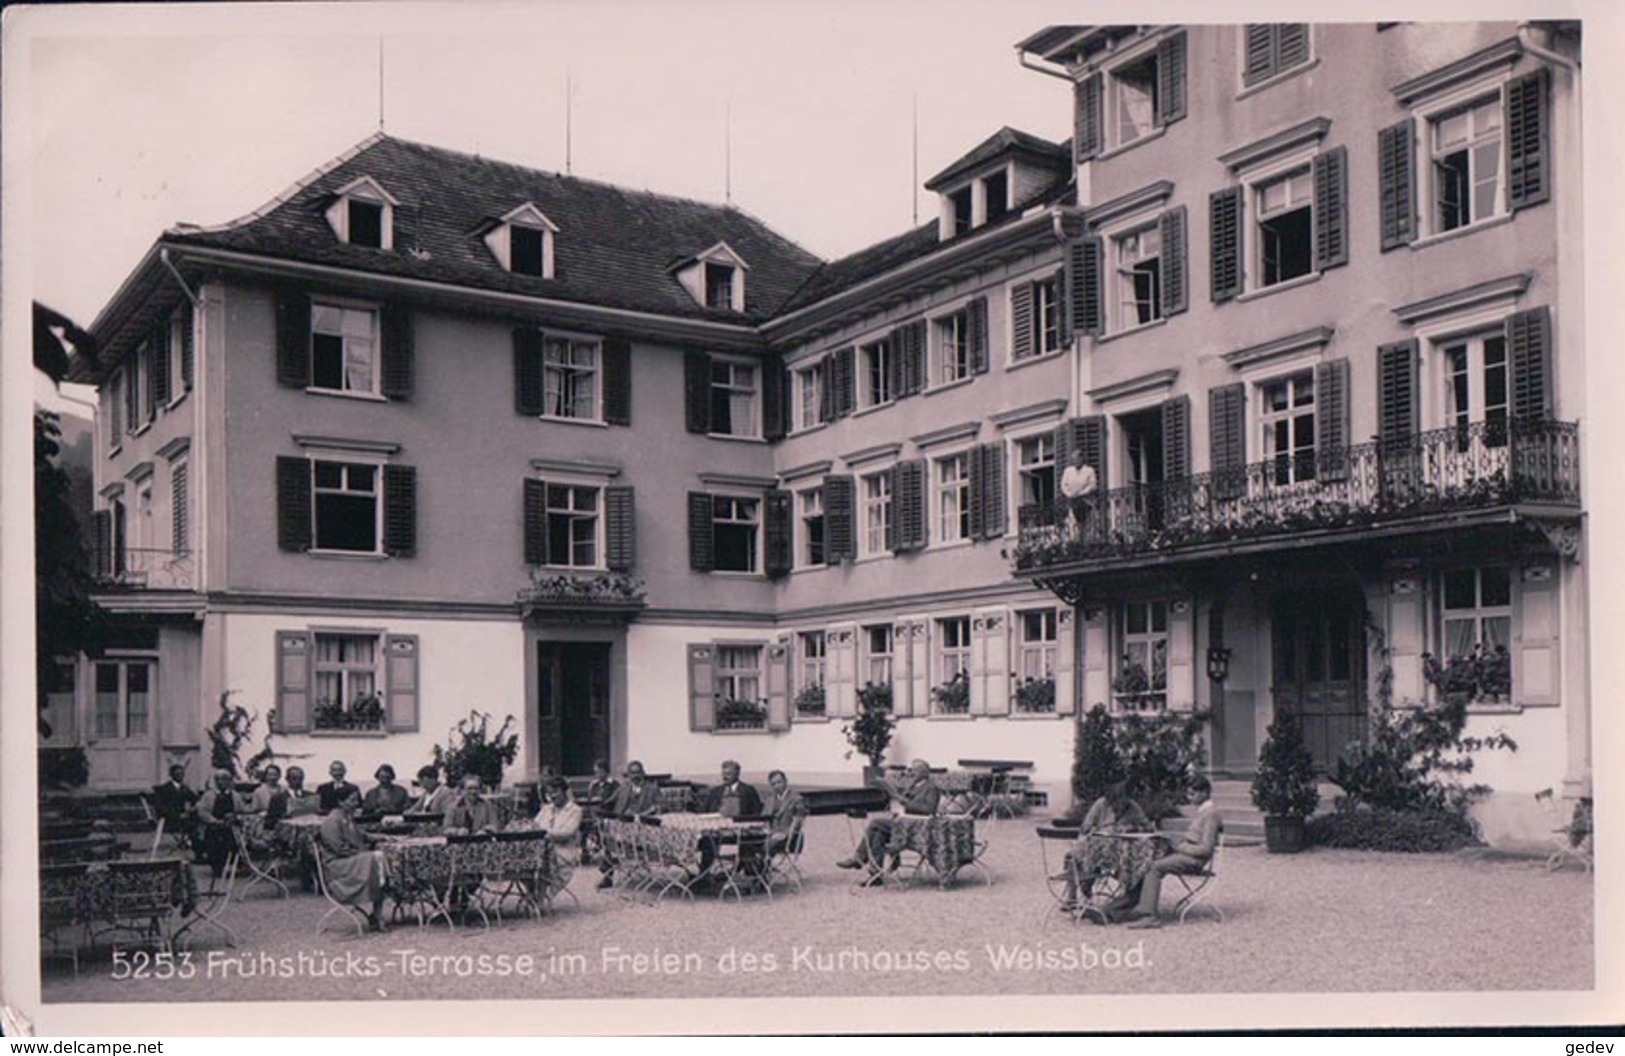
(119, 736)
(1319, 641)
(573, 705)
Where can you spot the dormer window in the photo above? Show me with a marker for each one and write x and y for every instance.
(521, 240)
(719, 285)
(363, 214)
(996, 193)
(715, 278)
(963, 202)
(979, 202)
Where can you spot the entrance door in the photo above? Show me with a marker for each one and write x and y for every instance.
(119, 738)
(1318, 643)
(1144, 466)
(573, 697)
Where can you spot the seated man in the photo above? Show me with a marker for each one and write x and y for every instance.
(301, 800)
(786, 809)
(601, 791)
(386, 797)
(471, 810)
(1112, 813)
(216, 809)
(436, 798)
(172, 801)
(1189, 854)
(732, 798)
(560, 818)
(918, 795)
(328, 793)
(637, 797)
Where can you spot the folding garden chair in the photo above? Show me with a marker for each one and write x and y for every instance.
(355, 914)
(1198, 887)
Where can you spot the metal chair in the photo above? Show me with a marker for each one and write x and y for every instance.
(749, 864)
(60, 909)
(258, 854)
(1566, 847)
(1065, 874)
(142, 899)
(356, 914)
(784, 859)
(525, 876)
(211, 905)
(1199, 886)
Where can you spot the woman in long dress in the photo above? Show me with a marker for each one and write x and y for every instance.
(353, 870)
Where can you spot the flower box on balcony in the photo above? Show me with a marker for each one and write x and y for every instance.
(611, 595)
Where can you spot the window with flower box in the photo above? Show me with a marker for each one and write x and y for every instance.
(346, 680)
(1476, 621)
(877, 654)
(1141, 680)
(810, 674)
(741, 704)
(345, 667)
(951, 694)
(1034, 677)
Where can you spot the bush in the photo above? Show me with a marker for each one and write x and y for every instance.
(471, 749)
(1284, 786)
(1414, 831)
(61, 768)
(1154, 754)
(870, 732)
(1096, 764)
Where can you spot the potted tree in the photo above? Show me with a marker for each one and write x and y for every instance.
(870, 731)
(1284, 787)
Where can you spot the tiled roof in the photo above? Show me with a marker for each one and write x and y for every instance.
(1006, 140)
(613, 245)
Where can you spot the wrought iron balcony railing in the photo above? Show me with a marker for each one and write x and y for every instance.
(1474, 466)
(142, 569)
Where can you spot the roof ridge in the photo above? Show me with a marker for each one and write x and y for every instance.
(287, 194)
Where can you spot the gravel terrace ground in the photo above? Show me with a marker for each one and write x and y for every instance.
(1320, 921)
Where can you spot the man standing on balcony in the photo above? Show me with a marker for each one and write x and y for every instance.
(1077, 485)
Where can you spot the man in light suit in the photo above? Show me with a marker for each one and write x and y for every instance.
(436, 798)
(1189, 854)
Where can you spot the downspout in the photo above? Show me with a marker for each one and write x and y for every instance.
(163, 258)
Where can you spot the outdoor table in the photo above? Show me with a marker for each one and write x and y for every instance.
(1124, 855)
(425, 870)
(963, 791)
(297, 836)
(95, 847)
(943, 842)
(102, 894)
(682, 838)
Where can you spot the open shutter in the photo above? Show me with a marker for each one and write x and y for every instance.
(844, 381)
(826, 389)
(293, 501)
(528, 392)
(292, 682)
(1090, 435)
(1396, 177)
(1227, 442)
(841, 671)
(160, 365)
(1083, 294)
(993, 652)
(992, 496)
(977, 515)
(908, 495)
(1171, 78)
(1291, 45)
(1332, 419)
(396, 323)
(188, 352)
(1021, 320)
(890, 541)
(1175, 287)
(400, 510)
(1097, 667)
(617, 381)
(1529, 345)
(838, 535)
(1066, 654)
(620, 530)
(702, 701)
(1176, 438)
(1398, 414)
(1331, 175)
(1181, 679)
(895, 368)
(535, 522)
(104, 544)
(701, 519)
(1529, 149)
(401, 705)
(1224, 239)
(774, 384)
(778, 555)
(1086, 136)
(908, 359)
(976, 316)
(177, 509)
(132, 394)
(292, 337)
(778, 685)
(697, 392)
(1259, 61)
(1536, 662)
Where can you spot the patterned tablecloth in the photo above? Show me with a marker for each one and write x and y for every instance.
(1127, 856)
(296, 836)
(946, 842)
(92, 895)
(422, 864)
(710, 825)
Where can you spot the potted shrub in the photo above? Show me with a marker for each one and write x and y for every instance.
(471, 749)
(870, 731)
(1284, 787)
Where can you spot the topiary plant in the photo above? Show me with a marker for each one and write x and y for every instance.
(1096, 762)
(1284, 786)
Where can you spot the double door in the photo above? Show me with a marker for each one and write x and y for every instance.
(572, 696)
(1318, 665)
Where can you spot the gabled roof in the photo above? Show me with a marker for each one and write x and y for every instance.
(1006, 141)
(611, 249)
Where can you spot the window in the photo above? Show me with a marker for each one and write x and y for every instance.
(572, 525)
(121, 707)
(811, 503)
(963, 205)
(953, 649)
(1477, 604)
(1137, 272)
(570, 379)
(345, 506)
(996, 196)
(526, 250)
(1134, 105)
(953, 498)
(719, 285)
(141, 531)
(1036, 643)
(733, 398)
(1287, 413)
(1285, 227)
(1476, 387)
(1465, 146)
(145, 381)
(366, 223)
(878, 654)
(739, 673)
(952, 351)
(1035, 460)
(877, 513)
(343, 348)
(1046, 316)
(344, 670)
(810, 396)
(811, 651)
(1273, 49)
(735, 523)
(875, 365)
(180, 352)
(1141, 682)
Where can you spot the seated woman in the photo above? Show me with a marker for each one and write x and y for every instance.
(560, 818)
(386, 797)
(1112, 813)
(353, 870)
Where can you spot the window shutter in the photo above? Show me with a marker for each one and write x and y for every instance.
(1224, 238)
(188, 337)
(292, 681)
(1175, 287)
(779, 554)
(1396, 177)
(845, 397)
(892, 525)
(1086, 96)
(115, 410)
(1021, 320)
(994, 520)
(1090, 435)
(160, 365)
(702, 701)
(697, 391)
(908, 492)
(293, 503)
(911, 355)
(1536, 660)
(620, 529)
(104, 543)
(535, 522)
(896, 369)
(1332, 419)
(401, 682)
(838, 516)
(826, 390)
(1260, 58)
(1227, 443)
(1066, 653)
(617, 381)
(778, 685)
(1331, 174)
(1529, 153)
(1291, 45)
(1529, 347)
(1171, 78)
(701, 518)
(132, 394)
(975, 460)
(976, 315)
(1083, 285)
(774, 386)
(177, 509)
(1176, 438)
(528, 393)
(292, 337)
(400, 510)
(396, 323)
(1398, 416)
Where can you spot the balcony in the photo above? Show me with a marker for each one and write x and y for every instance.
(138, 569)
(588, 596)
(1475, 467)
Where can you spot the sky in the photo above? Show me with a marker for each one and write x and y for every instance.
(145, 118)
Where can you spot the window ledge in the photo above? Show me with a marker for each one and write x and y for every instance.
(808, 430)
(1035, 358)
(810, 718)
(1135, 329)
(799, 569)
(368, 735)
(957, 544)
(740, 732)
(732, 574)
(115, 450)
(955, 384)
(1462, 232)
(1124, 148)
(1504, 707)
(177, 401)
(730, 437)
(1280, 287)
(957, 717)
(345, 555)
(369, 397)
(142, 429)
(1035, 716)
(872, 408)
(1287, 75)
(866, 558)
(590, 423)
